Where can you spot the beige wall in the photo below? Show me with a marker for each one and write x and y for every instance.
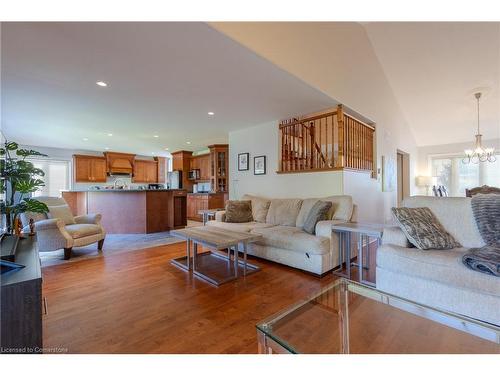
(338, 59)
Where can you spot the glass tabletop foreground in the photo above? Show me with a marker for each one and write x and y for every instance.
(347, 317)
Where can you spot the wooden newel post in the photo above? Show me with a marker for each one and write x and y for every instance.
(339, 162)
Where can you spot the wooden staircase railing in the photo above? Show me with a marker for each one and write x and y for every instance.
(330, 141)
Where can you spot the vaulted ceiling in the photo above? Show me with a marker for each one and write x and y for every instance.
(434, 70)
(163, 79)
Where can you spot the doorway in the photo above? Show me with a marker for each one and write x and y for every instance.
(403, 161)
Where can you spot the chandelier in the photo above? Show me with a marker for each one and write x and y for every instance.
(479, 153)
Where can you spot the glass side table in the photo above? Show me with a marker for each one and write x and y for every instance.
(348, 317)
(364, 233)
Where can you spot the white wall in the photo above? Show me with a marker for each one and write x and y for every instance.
(338, 59)
(263, 140)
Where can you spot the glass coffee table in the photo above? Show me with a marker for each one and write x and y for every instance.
(348, 317)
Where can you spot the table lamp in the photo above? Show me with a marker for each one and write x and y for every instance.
(425, 181)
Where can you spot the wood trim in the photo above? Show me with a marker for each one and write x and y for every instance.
(361, 122)
(315, 170)
(307, 119)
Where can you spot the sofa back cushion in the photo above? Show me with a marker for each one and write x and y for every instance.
(260, 206)
(454, 214)
(341, 209)
(283, 211)
(238, 212)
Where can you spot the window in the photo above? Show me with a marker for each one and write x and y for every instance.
(56, 176)
(457, 176)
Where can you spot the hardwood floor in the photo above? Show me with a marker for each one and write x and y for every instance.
(137, 302)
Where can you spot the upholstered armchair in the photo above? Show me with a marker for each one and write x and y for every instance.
(59, 229)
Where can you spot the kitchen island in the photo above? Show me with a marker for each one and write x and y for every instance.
(132, 211)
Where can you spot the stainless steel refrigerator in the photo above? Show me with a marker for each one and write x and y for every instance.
(174, 180)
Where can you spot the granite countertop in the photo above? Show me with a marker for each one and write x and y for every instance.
(118, 190)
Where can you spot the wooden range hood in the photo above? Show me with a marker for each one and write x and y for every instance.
(119, 163)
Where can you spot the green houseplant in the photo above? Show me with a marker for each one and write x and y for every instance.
(19, 178)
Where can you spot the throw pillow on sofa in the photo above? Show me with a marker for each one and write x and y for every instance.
(238, 211)
(61, 212)
(423, 229)
(320, 211)
(260, 206)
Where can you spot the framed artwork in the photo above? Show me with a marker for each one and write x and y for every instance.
(259, 165)
(388, 173)
(243, 161)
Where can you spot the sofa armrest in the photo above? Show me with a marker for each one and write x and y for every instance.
(324, 228)
(52, 235)
(220, 216)
(89, 219)
(395, 236)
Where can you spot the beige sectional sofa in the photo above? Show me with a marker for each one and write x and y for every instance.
(437, 277)
(280, 223)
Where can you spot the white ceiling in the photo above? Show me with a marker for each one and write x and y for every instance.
(434, 69)
(163, 80)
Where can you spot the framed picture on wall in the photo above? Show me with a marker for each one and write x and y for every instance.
(243, 161)
(388, 173)
(259, 165)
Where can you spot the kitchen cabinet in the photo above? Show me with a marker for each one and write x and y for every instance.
(181, 161)
(89, 168)
(204, 167)
(145, 171)
(202, 163)
(204, 201)
(219, 168)
(162, 169)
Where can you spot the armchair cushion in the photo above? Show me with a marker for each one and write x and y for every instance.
(88, 219)
(62, 212)
(82, 230)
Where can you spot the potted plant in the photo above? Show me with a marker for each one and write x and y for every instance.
(18, 179)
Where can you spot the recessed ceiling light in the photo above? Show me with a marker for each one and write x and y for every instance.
(106, 148)
(110, 134)
(101, 83)
(156, 136)
(188, 142)
(166, 148)
(211, 113)
(85, 139)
